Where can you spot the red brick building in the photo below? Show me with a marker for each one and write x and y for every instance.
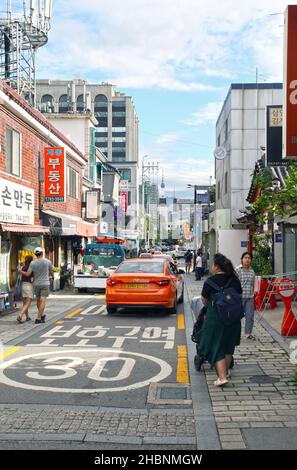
(26, 220)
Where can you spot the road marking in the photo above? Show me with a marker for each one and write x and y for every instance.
(102, 357)
(182, 373)
(9, 351)
(59, 323)
(70, 315)
(180, 321)
(100, 297)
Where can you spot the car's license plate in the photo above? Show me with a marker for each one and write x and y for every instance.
(136, 286)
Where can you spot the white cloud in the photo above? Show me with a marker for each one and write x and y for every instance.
(169, 44)
(205, 115)
(166, 139)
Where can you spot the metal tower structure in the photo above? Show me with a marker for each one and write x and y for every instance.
(24, 28)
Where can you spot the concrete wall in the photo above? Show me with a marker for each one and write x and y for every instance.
(241, 130)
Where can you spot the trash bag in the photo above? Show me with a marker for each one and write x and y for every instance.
(17, 294)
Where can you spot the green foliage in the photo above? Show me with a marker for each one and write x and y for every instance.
(262, 258)
(212, 193)
(275, 201)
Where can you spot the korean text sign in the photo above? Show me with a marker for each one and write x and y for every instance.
(54, 174)
(290, 84)
(16, 203)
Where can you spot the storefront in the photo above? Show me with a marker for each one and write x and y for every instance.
(18, 233)
(67, 235)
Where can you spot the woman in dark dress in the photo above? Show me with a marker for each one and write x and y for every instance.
(216, 341)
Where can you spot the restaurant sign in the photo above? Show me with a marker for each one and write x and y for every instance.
(16, 203)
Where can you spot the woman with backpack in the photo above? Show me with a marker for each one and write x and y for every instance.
(217, 340)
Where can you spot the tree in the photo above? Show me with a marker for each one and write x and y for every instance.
(274, 200)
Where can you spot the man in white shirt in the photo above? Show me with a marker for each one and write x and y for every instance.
(198, 267)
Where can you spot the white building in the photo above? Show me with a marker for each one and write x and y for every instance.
(241, 131)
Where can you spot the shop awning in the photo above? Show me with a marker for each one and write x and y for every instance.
(85, 229)
(67, 225)
(24, 228)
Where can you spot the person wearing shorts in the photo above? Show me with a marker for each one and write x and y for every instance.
(27, 291)
(41, 269)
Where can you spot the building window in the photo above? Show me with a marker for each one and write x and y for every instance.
(125, 174)
(80, 105)
(64, 104)
(13, 152)
(226, 130)
(119, 104)
(226, 182)
(118, 158)
(47, 104)
(73, 183)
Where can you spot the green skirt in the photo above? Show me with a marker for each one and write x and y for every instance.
(215, 340)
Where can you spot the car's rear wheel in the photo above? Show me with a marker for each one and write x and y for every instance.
(173, 310)
(111, 309)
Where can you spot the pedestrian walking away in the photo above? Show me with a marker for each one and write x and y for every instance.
(41, 269)
(27, 290)
(246, 275)
(188, 261)
(216, 340)
(198, 267)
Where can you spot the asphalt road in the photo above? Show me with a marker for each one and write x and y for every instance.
(91, 358)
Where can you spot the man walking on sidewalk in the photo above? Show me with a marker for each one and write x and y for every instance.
(198, 267)
(41, 269)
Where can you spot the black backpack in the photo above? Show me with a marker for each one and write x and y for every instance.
(227, 302)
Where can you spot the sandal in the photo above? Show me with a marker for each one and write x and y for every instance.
(19, 320)
(220, 382)
(28, 318)
(251, 337)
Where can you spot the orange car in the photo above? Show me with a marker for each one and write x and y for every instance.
(145, 282)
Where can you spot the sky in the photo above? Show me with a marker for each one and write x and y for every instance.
(177, 59)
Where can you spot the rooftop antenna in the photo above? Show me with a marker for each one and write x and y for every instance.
(23, 30)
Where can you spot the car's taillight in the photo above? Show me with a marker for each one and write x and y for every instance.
(111, 282)
(163, 282)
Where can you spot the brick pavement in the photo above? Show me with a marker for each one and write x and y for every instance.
(260, 397)
(261, 392)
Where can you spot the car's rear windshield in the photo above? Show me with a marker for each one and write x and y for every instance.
(148, 267)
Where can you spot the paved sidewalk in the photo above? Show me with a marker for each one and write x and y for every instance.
(258, 408)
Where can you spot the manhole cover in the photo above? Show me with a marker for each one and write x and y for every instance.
(169, 394)
(263, 379)
(173, 393)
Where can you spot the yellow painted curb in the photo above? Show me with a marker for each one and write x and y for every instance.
(182, 373)
(180, 321)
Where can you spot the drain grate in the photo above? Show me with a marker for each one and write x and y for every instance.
(263, 379)
(169, 394)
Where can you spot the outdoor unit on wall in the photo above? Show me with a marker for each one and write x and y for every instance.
(24, 28)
